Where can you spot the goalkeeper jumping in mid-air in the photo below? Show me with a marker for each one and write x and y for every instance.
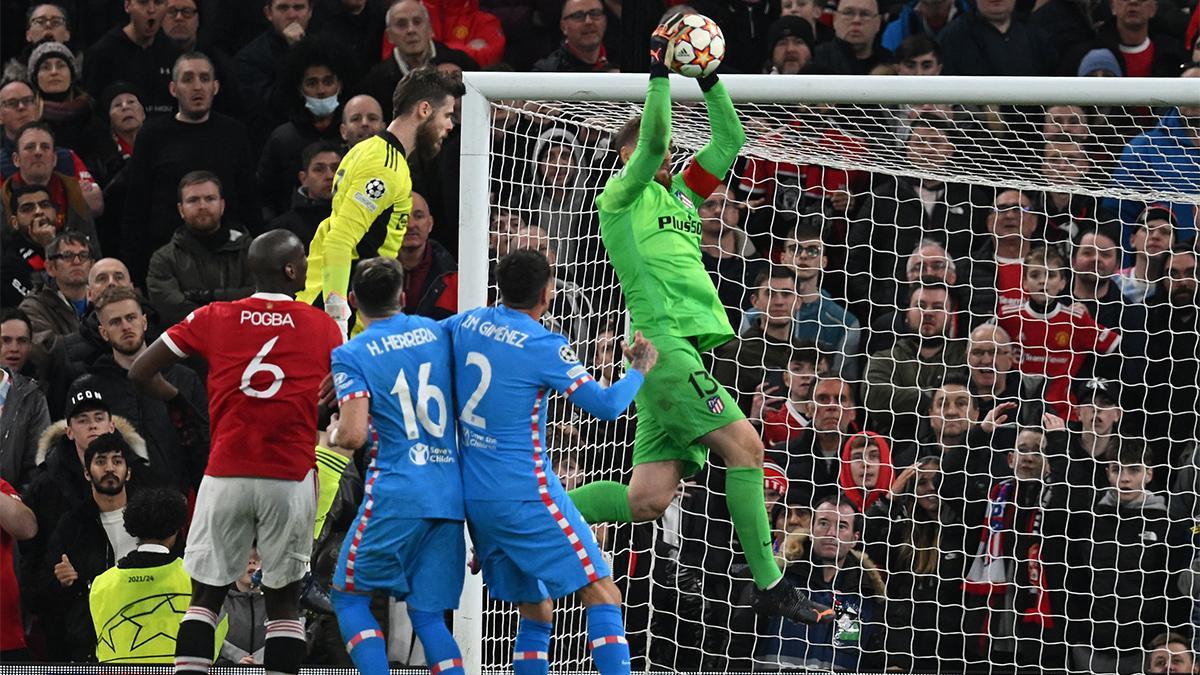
(650, 227)
(372, 190)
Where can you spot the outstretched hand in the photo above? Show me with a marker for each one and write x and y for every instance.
(642, 353)
(660, 38)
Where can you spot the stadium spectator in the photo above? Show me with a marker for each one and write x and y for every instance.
(993, 40)
(44, 21)
(582, 23)
(994, 267)
(918, 55)
(16, 340)
(313, 200)
(1093, 442)
(430, 271)
(33, 158)
(181, 23)
(820, 319)
(20, 106)
(23, 412)
(1169, 653)
(1018, 628)
(784, 413)
(60, 486)
(917, 538)
(867, 472)
(410, 30)
(570, 309)
(357, 26)
(743, 24)
(727, 254)
(855, 50)
(194, 139)
(763, 346)
(55, 309)
(136, 53)
(312, 89)
(82, 347)
(1066, 162)
(247, 612)
(259, 63)
(205, 261)
(919, 359)
(31, 226)
(928, 262)
(1164, 158)
(151, 574)
(790, 45)
(1152, 238)
(176, 433)
(921, 17)
(88, 539)
(1120, 556)
(994, 379)
(121, 103)
(17, 523)
(813, 457)
(828, 563)
(1133, 37)
(362, 117)
(462, 25)
(1094, 261)
(66, 107)
(1175, 312)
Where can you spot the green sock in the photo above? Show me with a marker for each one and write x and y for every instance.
(604, 501)
(744, 497)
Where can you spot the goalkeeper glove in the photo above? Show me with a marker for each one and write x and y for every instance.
(660, 40)
(339, 310)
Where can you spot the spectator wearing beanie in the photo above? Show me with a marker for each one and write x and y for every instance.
(790, 46)
(1099, 63)
(122, 109)
(66, 107)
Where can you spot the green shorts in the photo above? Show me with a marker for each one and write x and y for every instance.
(678, 403)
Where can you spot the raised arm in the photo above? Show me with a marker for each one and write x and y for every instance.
(716, 158)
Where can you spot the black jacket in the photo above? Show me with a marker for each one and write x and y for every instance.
(432, 299)
(22, 266)
(192, 271)
(177, 448)
(304, 216)
(279, 163)
(837, 57)
(1168, 52)
(80, 536)
(972, 46)
(380, 82)
(24, 418)
(114, 57)
(259, 67)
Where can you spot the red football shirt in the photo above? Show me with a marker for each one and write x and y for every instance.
(12, 633)
(267, 355)
(1008, 283)
(1055, 344)
(783, 424)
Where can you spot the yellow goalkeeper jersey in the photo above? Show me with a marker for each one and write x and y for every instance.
(372, 198)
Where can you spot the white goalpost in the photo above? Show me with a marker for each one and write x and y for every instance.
(879, 167)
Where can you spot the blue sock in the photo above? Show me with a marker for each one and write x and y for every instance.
(531, 650)
(606, 637)
(360, 630)
(441, 651)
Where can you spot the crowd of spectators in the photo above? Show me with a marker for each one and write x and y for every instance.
(979, 404)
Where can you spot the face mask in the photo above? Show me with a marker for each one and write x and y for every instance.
(321, 107)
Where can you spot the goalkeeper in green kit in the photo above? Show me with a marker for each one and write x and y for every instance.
(651, 230)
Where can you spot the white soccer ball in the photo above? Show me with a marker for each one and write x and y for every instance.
(697, 48)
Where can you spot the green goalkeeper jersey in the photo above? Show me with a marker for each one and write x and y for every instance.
(652, 234)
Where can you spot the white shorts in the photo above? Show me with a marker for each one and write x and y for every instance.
(232, 513)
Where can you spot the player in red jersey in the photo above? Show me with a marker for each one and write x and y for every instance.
(1055, 339)
(267, 355)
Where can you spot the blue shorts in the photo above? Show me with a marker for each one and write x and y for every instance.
(532, 550)
(419, 560)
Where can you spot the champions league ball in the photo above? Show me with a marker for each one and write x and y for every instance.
(697, 48)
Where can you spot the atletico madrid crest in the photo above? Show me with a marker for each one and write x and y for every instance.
(716, 405)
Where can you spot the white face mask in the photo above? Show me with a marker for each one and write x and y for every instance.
(321, 107)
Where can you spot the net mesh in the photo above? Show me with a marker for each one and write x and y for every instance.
(870, 257)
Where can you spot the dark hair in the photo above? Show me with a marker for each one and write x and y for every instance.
(929, 284)
(15, 314)
(837, 501)
(1133, 452)
(155, 514)
(916, 45)
(33, 8)
(805, 352)
(521, 275)
(22, 190)
(191, 56)
(806, 230)
(105, 443)
(196, 178)
(1107, 228)
(628, 133)
(774, 272)
(35, 126)
(377, 285)
(307, 54)
(313, 149)
(115, 294)
(67, 237)
(1164, 639)
(423, 84)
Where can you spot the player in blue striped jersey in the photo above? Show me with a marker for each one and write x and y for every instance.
(408, 537)
(530, 540)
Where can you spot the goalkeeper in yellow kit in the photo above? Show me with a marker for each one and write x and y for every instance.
(372, 191)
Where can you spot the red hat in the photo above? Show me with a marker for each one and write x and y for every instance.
(774, 478)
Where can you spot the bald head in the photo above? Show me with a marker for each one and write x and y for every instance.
(106, 273)
(990, 332)
(277, 261)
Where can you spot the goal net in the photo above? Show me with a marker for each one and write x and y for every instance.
(967, 332)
